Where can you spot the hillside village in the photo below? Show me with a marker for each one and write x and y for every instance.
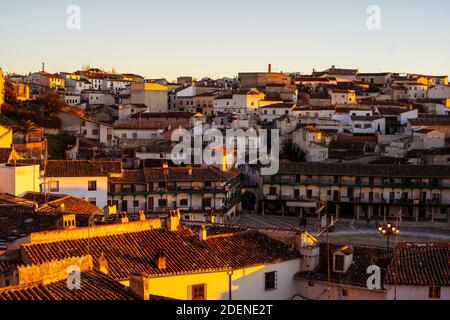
(89, 179)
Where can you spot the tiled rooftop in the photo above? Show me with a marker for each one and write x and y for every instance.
(133, 252)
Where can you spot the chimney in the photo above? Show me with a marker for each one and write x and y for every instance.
(173, 220)
(43, 66)
(68, 221)
(202, 234)
(270, 68)
(309, 252)
(142, 216)
(123, 218)
(161, 260)
(103, 264)
(140, 286)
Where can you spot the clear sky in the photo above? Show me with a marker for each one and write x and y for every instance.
(220, 38)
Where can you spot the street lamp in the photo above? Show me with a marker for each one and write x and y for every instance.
(389, 230)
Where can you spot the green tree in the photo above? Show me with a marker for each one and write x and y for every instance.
(51, 104)
(292, 152)
(26, 128)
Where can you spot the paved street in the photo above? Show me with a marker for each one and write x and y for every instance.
(362, 233)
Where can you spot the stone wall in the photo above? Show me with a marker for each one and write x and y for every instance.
(96, 231)
(53, 271)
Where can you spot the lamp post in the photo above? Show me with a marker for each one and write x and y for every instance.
(389, 230)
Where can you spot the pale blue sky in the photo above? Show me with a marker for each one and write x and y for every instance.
(220, 38)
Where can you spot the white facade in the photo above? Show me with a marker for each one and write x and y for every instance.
(313, 142)
(414, 293)
(79, 188)
(416, 91)
(439, 92)
(154, 96)
(96, 98)
(72, 99)
(342, 97)
(78, 86)
(247, 283)
(270, 113)
(18, 179)
(369, 126)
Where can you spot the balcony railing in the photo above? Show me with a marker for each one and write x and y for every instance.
(355, 184)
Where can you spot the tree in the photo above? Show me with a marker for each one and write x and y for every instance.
(51, 104)
(26, 128)
(292, 152)
(10, 92)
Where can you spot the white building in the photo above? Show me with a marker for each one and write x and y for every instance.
(339, 96)
(78, 86)
(271, 112)
(153, 95)
(19, 179)
(81, 179)
(439, 92)
(98, 98)
(313, 142)
(368, 124)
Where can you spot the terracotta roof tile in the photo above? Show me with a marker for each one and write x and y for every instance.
(136, 251)
(94, 286)
(421, 265)
(72, 168)
(356, 275)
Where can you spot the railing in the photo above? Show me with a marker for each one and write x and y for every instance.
(357, 200)
(384, 184)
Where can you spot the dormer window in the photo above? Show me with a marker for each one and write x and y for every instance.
(342, 259)
(338, 263)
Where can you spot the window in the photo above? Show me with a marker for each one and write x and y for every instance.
(199, 292)
(311, 284)
(95, 132)
(161, 185)
(207, 202)
(271, 281)
(345, 292)
(207, 184)
(124, 205)
(92, 185)
(273, 191)
(184, 202)
(54, 186)
(93, 201)
(339, 263)
(162, 202)
(135, 135)
(435, 293)
(136, 203)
